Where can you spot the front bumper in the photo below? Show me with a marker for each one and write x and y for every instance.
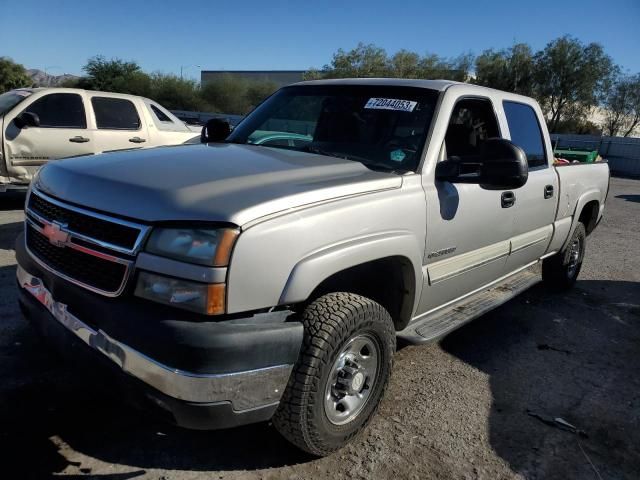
(195, 398)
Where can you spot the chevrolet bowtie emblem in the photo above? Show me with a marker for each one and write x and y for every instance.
(56, 234)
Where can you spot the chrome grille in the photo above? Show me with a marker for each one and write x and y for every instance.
(89, 249)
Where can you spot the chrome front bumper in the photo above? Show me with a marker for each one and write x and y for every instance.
(245, 390)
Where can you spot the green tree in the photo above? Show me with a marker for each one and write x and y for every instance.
(365, 60)
(115, 75)
(258, 91)
(622, 106)
(12, 75)
(175, 93)
(404, 64)
(510, 69)
(570, 78)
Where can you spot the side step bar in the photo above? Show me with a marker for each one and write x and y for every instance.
(438, 323)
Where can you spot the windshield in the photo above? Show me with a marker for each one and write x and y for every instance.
(11, 99)
(380, 126)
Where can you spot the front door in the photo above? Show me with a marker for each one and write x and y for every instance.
(62, 133)
(468, 227)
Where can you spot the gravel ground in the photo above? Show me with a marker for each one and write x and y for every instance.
(460, 408)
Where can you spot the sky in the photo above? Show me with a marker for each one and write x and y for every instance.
(163, 35)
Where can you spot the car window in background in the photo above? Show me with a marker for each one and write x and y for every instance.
(12, 98)
(525, 132)
(115, 114)
(59, 110)
(160, 115)
(379, 126)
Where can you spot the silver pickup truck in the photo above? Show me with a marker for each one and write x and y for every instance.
(266, 273)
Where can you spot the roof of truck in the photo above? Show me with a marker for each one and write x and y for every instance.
(439, 85)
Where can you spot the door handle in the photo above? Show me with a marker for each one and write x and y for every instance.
(548, 191)
(508, 199)
(79, 139)
(137, 140)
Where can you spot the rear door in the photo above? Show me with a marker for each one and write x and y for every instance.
(119, 124)
(62, 133)
(536, 201)
(468, 229)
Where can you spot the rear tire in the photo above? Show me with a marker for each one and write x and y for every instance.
(560, 271)
(341, 374)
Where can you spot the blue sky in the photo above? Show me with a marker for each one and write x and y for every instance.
(246, 35)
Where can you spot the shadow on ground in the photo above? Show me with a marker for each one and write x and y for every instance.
(573, 356)
(630, 198)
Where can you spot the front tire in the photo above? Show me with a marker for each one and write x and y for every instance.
(560, 271)
(341, 374)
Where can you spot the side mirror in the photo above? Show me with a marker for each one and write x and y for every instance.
(500, 166)
(504, 165)
(215, 130)
(27, 119)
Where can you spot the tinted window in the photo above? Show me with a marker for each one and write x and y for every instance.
(60, 110)
(160, 114)
(472, 122)
(115, 113)
(525, 132)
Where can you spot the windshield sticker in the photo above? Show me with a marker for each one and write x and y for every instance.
(22, 93)
(397, 155)
(391, 104)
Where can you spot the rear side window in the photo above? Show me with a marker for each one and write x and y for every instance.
(525, 132)
(59, 110)
(115, 113)
(160, 115)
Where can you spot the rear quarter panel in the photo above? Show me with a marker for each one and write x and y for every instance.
(579, 185)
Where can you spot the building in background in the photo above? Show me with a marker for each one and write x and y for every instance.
(279, 77)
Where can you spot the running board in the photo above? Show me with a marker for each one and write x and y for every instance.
(437, 324)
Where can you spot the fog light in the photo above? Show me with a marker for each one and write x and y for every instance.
(197, 297)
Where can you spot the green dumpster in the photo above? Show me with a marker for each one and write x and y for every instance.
(583, 156)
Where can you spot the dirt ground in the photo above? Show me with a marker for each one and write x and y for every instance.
(461, 408)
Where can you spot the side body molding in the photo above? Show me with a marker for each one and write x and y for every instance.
(321, 264)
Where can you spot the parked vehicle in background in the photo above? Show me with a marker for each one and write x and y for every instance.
(248, 279)
(42, 124)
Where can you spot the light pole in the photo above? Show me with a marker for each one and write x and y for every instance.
(184, 67)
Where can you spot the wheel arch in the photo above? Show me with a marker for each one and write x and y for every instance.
(587, 209)
(385, 268)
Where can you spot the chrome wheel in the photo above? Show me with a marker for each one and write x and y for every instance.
(351, 379)
(574, 257)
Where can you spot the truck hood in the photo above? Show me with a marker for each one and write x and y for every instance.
(214, 182)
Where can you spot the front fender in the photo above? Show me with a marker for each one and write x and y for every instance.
(312, 270)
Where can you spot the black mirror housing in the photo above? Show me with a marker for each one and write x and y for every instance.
(504, 165)
(27, 119)
(215, 130)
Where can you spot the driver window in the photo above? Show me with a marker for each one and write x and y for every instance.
(472, 122)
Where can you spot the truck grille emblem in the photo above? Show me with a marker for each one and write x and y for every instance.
(56, 234)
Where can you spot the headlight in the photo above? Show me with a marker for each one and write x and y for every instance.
(211, 247)
(197, 297)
